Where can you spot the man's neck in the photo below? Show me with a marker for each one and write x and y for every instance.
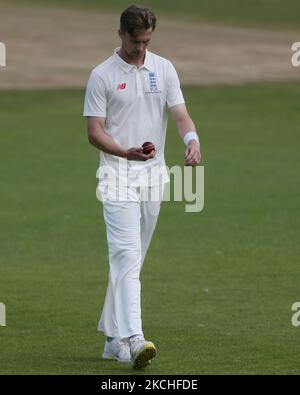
(129, 60)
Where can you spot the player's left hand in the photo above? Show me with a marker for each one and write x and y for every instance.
(192, 155)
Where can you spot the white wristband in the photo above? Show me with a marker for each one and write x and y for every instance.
(191, 136)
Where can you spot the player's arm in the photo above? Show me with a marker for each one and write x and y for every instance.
(104, 142)
(100, 139)
(185, 125)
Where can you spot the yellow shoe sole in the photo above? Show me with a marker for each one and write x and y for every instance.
(143, 358)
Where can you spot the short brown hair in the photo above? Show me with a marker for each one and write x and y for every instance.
(137, 18)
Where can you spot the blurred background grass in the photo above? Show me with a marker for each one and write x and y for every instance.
(270, 14)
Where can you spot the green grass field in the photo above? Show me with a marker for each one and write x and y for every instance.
(217, 285)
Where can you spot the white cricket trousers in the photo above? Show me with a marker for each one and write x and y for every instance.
(129, 228)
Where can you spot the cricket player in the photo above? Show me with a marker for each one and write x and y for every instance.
(126, 104)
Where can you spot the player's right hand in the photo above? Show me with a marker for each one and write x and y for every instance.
(136, 153)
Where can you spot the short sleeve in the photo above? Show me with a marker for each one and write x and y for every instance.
(174, 93)
(95, 97)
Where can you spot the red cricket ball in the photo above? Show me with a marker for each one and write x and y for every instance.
(148, 147)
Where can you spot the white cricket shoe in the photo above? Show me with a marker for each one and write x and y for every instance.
(142, 351)
(117, 350)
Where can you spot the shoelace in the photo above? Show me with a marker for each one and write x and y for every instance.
(123, 344)
(123, 347)
(136, 341)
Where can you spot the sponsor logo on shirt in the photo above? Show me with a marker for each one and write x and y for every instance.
(122, 86)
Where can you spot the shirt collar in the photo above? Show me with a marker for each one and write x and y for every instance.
(128, 67)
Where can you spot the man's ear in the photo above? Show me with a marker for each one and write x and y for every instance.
(120, 33)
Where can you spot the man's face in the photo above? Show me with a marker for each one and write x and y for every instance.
(135, 46)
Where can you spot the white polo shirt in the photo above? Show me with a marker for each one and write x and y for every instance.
(134, 102)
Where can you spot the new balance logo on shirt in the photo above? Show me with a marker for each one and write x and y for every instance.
(122, 86)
